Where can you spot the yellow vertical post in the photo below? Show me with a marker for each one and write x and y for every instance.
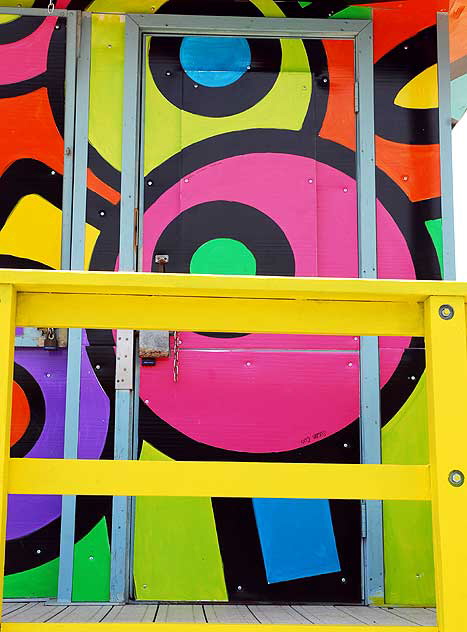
(446, 351)
(7, 351)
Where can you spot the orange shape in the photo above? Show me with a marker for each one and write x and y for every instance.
(339, 122)
(20, 414)
(415, 168)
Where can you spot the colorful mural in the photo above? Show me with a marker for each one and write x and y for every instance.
(249, 168)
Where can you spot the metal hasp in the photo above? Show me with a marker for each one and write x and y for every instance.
(155, 344)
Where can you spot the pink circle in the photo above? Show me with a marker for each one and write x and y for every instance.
(265, 396)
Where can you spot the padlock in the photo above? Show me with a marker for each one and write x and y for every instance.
(50, 340)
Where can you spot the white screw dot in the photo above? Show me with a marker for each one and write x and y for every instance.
(345, 189)
(47, 375)
(350, 364)
(248, 363)
(52, 173)
(186, 180)
(150, 183)
(310, 180)
(91, 557)
(405, 178)
(38, 551)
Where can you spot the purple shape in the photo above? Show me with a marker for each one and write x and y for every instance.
(28, 513)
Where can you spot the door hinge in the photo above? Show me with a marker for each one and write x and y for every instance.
(364, 518)
(357, 97)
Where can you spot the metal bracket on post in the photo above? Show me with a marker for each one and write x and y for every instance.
(124, 360)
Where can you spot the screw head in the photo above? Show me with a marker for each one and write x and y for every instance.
(446, 312)
(456, 478)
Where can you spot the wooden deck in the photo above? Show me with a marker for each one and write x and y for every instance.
(41, 612)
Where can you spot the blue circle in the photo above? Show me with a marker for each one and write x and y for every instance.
(215, 62)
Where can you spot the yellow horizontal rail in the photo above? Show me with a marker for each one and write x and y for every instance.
(228, 286)
(202, 627)
(243, 315)
(224, 480)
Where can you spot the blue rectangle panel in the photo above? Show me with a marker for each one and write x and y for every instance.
(297, 538)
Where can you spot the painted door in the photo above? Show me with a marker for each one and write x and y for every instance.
(238, 181)
(239, 178)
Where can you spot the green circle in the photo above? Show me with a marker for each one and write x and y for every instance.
(223, 256)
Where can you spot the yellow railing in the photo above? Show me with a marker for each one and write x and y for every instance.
(435, 310)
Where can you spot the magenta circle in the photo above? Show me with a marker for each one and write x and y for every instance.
(264, 396)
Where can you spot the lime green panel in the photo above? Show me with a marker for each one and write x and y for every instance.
(177, 555)
(91, 571)
(408, 552)
(304, 4)
(106, 87)
(223, 256)
(354, 13)
(283, 107)
(41, 581)
(435, 228)
(4, 19)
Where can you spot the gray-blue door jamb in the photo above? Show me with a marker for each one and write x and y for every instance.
(445, 146)
(370, 414)
(72, 252)
(124, 397)
(361, 31)
(72, 411)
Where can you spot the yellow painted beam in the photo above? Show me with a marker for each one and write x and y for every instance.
(228, 286)
(224, 480)
(203, 627)
(243, 315)
(446, 353)
(7, 351)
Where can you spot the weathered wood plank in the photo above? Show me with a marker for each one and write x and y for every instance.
(12, 606)
(18, 615)
(277, 614)
(82, 614)
(180, 613)
(38, 613)
(373, 616)
(326, 615)
(131, 613)
(422, 616)
(228, 614)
